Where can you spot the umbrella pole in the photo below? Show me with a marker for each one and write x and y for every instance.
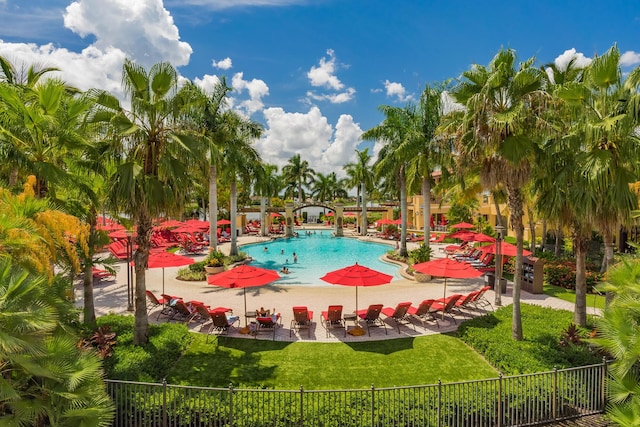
(163, 280)
(444, 296)
(244, 291)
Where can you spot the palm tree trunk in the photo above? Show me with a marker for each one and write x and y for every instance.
(213, 208)
(558, 240)
(498, 214)
(403, 213)
(357, 206)
(607, 237)
(89, 311)
(580, 311)
(141, 260)
(365, 225)
(426, 209)
(234, 209)
(532, 230)
(263, 216)
(517, 214)
(544, 233)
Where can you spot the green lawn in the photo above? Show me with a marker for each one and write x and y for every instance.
(394, 362)
(569, 295)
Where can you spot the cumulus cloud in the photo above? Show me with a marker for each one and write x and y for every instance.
(323, 76)
(227, 4)
(310, 135)
(256, 89)
(629, 58)
(396, 90)
(223, 64)
(580, 61)
(207, 82)
(143, 29)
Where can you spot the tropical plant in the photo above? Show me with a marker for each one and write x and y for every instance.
(156, 149)
(215, 259)
(361, 176)
(298, 173)
(497, 132)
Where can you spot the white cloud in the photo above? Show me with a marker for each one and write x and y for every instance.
(310, 135)
(207, 82)
(563, 60)
(393, 89)
(256, 89)
(226, 4)
(143, 29)
(223, 64)
(629, 58)
(323, 76)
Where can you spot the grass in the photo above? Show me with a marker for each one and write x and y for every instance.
(268, 364)
(593, 300)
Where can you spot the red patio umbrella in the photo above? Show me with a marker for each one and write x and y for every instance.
(329, 214)
(443, 220)
(167, 259)
(121, 234)
(384, 221)
(471, 236)
(463, 225)
(223, 222)
(275, 214)
(507, 249)
(350, 214)
(243, 276)
(171, 223)
(356, 275)
(447, 268)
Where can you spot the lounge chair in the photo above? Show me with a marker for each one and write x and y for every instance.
(181, 311)
(423, 312)
(371, 317)
(480, 301)
(445, 306)
(203, 313)
(302, 319)
(332, 318)
(399, 314)
(154, 302)
(221, 323)
(99, 274)
(462, 304)
(267, 324)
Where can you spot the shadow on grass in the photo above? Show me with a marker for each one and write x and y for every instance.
(383, 346)
(224, 360)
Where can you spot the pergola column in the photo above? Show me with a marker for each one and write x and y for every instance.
(288, 214)
(339, 217)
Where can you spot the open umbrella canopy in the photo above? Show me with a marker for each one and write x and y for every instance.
(274, 214)
(471, 236)
(384, 221)
(166, 259)
(356, 275)
(507, 249)
(223, 222)
(330, 213)
(350, 214)
(171, 223)
(464, 225)
(243, 276)
(447, 268)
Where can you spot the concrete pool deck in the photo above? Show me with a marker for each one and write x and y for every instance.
(110, 296)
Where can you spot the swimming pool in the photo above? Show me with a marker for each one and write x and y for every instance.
(317, 254)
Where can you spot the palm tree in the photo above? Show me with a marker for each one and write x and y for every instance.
(298, 171)
(323, 186)
(392, 162)
(500, 102)
(240, 160)
(267, 185)
(361, 176)
(155, 148)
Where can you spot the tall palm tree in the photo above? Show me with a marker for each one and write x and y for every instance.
(361, 176)
(323, 186)
(299, 172)
(267, 185)
(155, 150)
(500, 102)
(240, 160)
(393, 162)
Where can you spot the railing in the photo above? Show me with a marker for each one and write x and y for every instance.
(505, 401)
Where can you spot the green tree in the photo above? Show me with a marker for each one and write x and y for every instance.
(155, 148)
(498, 132)
(361, 176)
(298, 171)
(267, 185)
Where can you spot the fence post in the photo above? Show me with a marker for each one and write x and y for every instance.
(603, 391)
(301, 406)
(439, 409)
(164, 402)
(373, 406)
(499, 424)
(230, 404)
(554, 395)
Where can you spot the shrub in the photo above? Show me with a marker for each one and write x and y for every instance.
(540, 350)
(151, 362)
(421, 254)
(562, 273)
(214, 259)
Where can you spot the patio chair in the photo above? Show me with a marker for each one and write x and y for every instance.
(221, 323)
(399, 314)
(423, 312)
(267, 324)
(480, 301)
(181, 311)
(445, 306)
(462, 304)
(332, 318)
(99, 273)
(371, 317)
(302, 319)
(154, 302)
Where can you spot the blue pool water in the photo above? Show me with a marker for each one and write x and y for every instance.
(317, 254)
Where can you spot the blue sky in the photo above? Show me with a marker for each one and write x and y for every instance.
(315, 71)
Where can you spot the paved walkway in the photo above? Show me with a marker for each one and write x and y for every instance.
(111, 297)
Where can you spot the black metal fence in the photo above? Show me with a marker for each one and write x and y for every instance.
(505, 401)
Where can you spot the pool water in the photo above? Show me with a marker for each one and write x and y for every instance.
(318, 254)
